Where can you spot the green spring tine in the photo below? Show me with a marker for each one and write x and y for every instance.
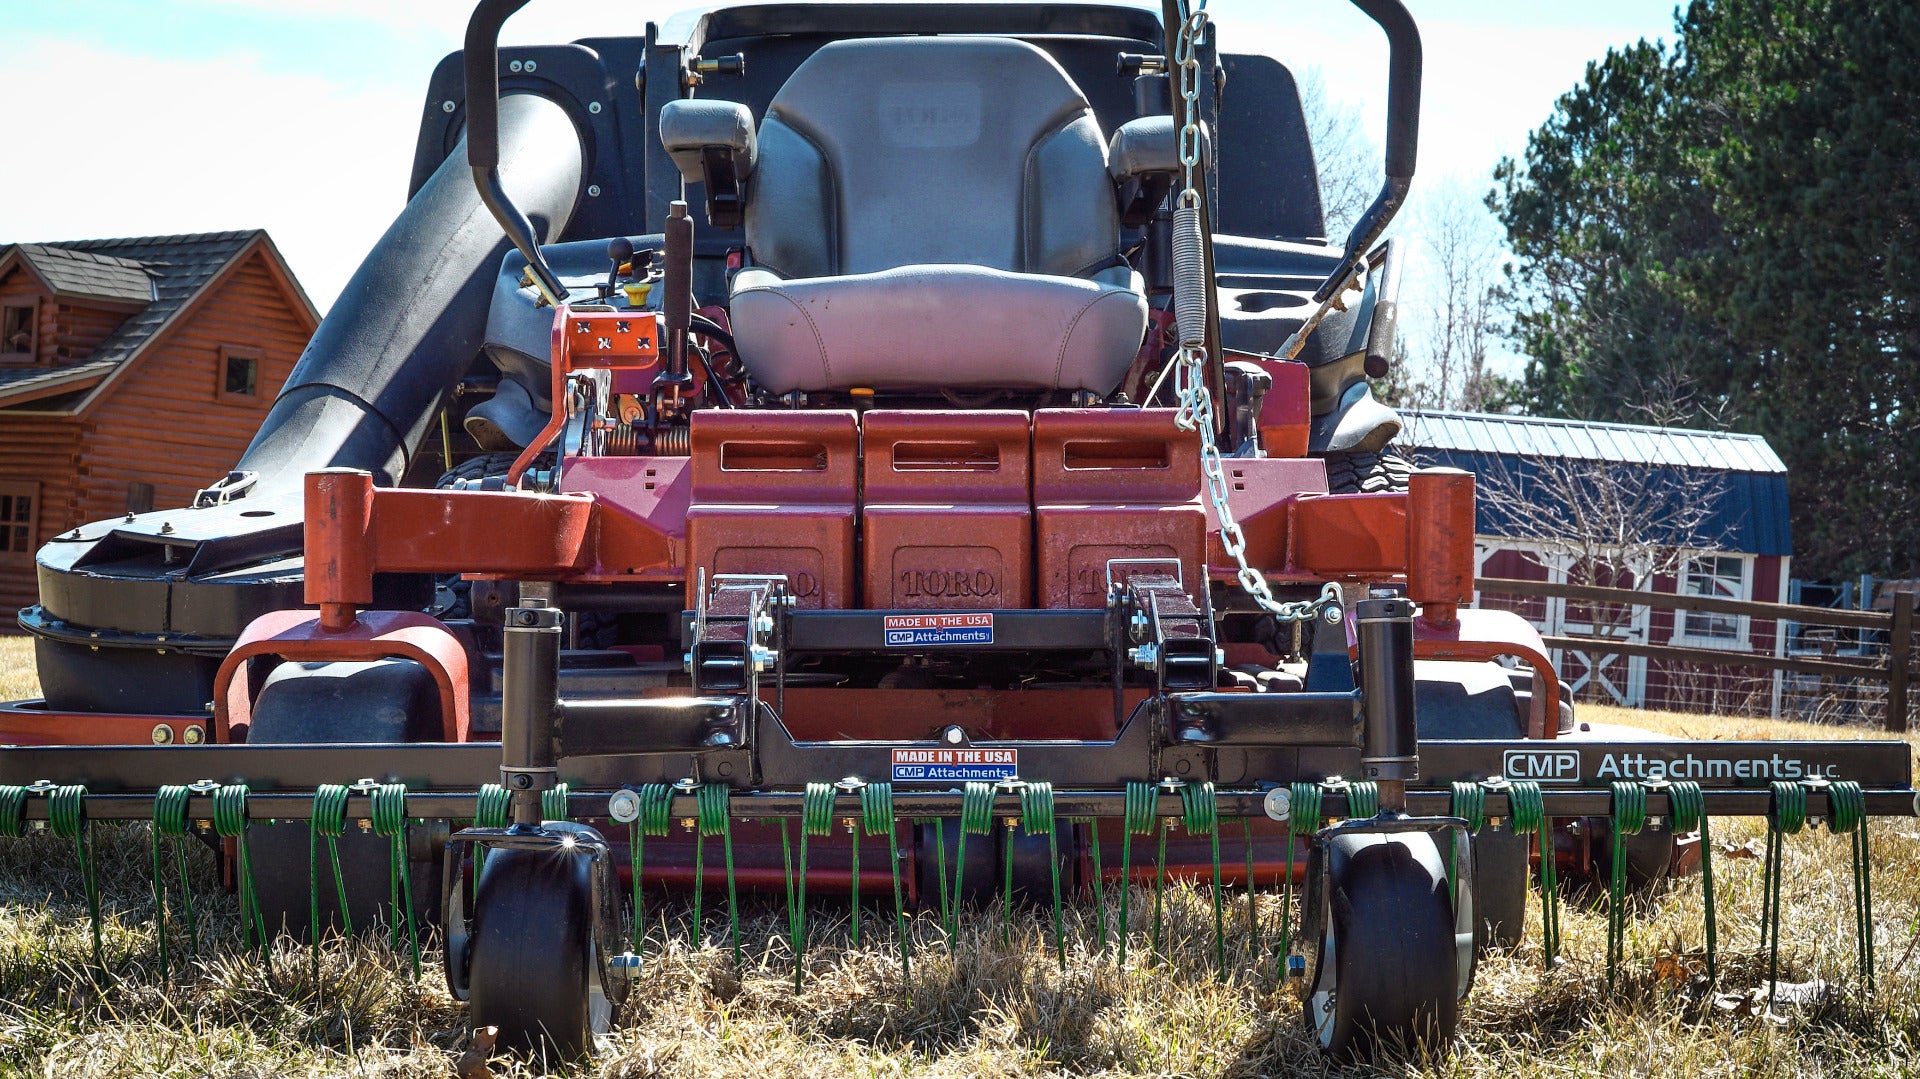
(13, 810)
(1786, 815)
(169, 819)
(1138, 821)
(555, 803)
(656, 814)
(1629, 817)
(328, 821)
(716, 818)
(230, 822)
(876, 804)
(492, 808)
(793, 914)
(1006, 885)
(1099, 880)
(67, 815)
(1036, 810)
(1202, 816)
(1159, 888)
(1363, 799)
(1528, 810)
(1470, 805)
(853, 923)
(1848, 814)
(816, 819)
(1687, 805)
(1253, 908)
(940, 870)
(976, 818)
(389, 813)
(1303, 818)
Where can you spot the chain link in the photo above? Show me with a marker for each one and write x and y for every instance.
(1190, 371)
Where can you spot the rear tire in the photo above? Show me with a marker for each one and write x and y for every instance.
(531, 956)
(1500, 865)
(1387, 972)
(1362, 472)
(393, 700)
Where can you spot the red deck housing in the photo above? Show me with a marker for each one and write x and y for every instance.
(1110, 485)
(947, 515)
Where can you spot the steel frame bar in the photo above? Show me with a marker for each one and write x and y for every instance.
(592, 805)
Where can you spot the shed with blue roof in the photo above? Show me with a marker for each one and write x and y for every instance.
(1741, 547)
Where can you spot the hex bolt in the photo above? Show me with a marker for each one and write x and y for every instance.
(162, 734)
(624, 806)
(194, 735)
(1279, 804)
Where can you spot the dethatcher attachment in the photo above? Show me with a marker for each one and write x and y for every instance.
(1377, 930)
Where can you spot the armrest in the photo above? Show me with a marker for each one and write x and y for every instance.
(713, 143)
(1144, 160)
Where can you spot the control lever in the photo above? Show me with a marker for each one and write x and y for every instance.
(620, 253)
(676, 307)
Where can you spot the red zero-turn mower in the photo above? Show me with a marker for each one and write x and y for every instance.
(942, 417)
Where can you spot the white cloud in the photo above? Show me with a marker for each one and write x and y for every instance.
(146, 146)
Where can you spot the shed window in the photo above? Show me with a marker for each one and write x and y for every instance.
(239, 373)
(18, 505)
(16, 331)
(1716, 576)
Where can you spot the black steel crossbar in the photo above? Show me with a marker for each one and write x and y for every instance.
(592, 805)
(443, 778)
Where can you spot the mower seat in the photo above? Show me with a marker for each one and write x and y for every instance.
(921, 213)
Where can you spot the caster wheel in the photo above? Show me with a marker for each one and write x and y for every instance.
(1388, 971)
(531, 965)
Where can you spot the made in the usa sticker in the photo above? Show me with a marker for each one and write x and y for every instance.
(915, 630)
(943, 764)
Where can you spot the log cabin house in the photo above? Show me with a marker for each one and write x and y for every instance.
(133, 372)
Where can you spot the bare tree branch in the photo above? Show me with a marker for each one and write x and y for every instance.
(1346, 158)
(1618, 525)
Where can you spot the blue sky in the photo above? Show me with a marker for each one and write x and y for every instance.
(143, 117)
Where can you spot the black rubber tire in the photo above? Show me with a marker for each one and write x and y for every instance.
(530, 952)
(1387, 973)
(986, 865)
(1649, 854)
(1361, 472)
(1501, 862)
(388, 701)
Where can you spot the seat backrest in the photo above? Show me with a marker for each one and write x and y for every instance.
(886, 152)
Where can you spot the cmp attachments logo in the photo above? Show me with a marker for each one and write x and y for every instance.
(1605, 765)
(1542, 765)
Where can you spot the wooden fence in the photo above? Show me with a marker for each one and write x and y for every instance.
(1895, 671)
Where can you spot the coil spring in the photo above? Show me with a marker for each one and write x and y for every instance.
(620, 440)
(672, 442)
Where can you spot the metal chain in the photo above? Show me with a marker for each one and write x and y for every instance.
(1195, 410)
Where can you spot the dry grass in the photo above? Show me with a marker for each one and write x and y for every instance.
(983, 1010)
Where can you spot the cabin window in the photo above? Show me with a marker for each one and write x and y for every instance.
(16, 332)
(1715, 576)
(239, 373)
(19, 507)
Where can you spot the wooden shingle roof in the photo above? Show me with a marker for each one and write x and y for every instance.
(164, 273)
